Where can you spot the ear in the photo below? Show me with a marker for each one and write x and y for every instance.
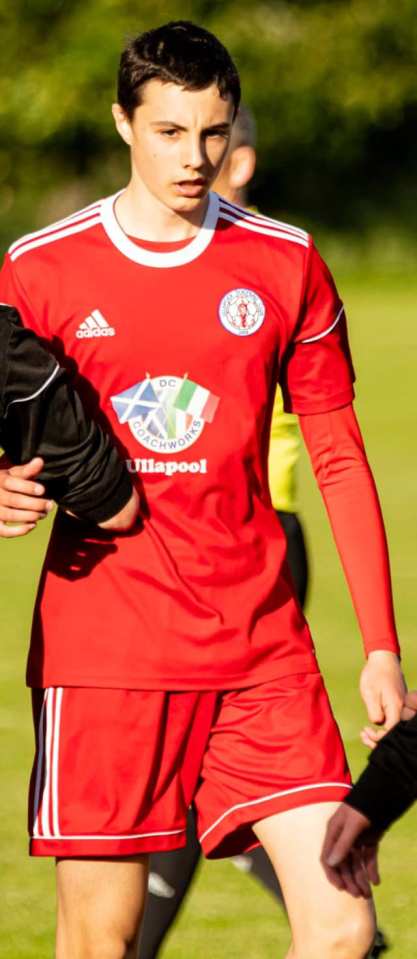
(242, 166)
(122, 122)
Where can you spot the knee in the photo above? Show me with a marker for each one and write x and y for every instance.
(107, 942)
(351, 937)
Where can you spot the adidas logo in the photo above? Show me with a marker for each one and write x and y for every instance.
(94, 325)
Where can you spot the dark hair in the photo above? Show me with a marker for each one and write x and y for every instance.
(178, 52)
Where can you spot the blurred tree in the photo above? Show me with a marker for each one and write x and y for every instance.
(332, 84)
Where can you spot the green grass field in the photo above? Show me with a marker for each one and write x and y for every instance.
(227, 915)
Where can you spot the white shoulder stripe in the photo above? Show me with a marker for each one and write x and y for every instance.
(312, 339)
(27, 399)
(52, 237)
(255, 228)
(260, 218)
(53, 227)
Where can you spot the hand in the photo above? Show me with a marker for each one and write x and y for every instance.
(349, 854)
(410, 705)
(383, 691)
(21, 498)
(123, 521)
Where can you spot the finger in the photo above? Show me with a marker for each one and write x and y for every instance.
(17, 484)
(342, 845)
(374, 707)
(333, 831)
(407, 713)
(333, 875)
(393, 713)
(28, 470)
(368, 738)
(348, 877)
(8, 515)
(12, 499)
(359, 874)
(12, 532)
(370, 860)
(411, 699)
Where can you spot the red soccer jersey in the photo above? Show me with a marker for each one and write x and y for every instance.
(178, 353)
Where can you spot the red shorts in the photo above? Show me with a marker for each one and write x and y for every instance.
(115, 770)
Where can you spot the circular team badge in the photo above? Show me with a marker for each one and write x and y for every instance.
(161, 416)
(242, 312)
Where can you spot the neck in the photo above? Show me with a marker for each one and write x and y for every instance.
(142, 215)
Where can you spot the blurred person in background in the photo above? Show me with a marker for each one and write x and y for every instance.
(170, 697)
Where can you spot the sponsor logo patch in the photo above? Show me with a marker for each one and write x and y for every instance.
(166, 413)
(242, 312)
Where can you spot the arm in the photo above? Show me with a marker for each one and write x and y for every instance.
(43, 415)
(339, 462)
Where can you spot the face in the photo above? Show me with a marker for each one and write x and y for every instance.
(178, 139)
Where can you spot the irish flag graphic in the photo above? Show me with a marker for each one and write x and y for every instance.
(196, 401)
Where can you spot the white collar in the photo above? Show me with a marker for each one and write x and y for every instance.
(139, 254)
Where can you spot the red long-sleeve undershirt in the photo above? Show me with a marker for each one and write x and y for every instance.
(339, 461)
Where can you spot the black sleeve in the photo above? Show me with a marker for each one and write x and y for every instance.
(388, 786)
(41, 415)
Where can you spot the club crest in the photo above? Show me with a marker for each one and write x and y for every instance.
(242, 312)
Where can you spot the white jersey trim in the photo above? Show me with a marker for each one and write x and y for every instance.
(139, 254)
(255, 802)
(313, 339)
(44, 238)
(255, 217)
(243, 222)
(27, 399)
(84, 214)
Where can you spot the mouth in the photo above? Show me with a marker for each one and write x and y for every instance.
(191, 188)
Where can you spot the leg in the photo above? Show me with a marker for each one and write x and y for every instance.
(296, 553)
(170, 877)
(100, 906)
(257, 864)
(324, 922)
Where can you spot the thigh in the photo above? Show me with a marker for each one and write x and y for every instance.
(100, 906)
(318, 913)
(273, 747)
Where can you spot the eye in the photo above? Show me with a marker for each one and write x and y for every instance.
(220, 134)
(169, 133)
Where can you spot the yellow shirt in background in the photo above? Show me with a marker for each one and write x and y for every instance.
(284, 451)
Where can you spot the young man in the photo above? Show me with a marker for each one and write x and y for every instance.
(189, 671)
(44, 427)
(171, 873)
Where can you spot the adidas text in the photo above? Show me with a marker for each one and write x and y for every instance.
(86, 334)
(168, 468)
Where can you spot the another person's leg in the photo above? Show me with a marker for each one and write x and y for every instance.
(325, 922)
(297, 558)
(169, 878)
(100, 906)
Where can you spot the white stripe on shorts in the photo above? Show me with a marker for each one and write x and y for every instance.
(255, 802)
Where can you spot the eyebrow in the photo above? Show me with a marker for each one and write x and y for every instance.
(177, 126)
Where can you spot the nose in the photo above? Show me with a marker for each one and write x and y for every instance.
(194, 153)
